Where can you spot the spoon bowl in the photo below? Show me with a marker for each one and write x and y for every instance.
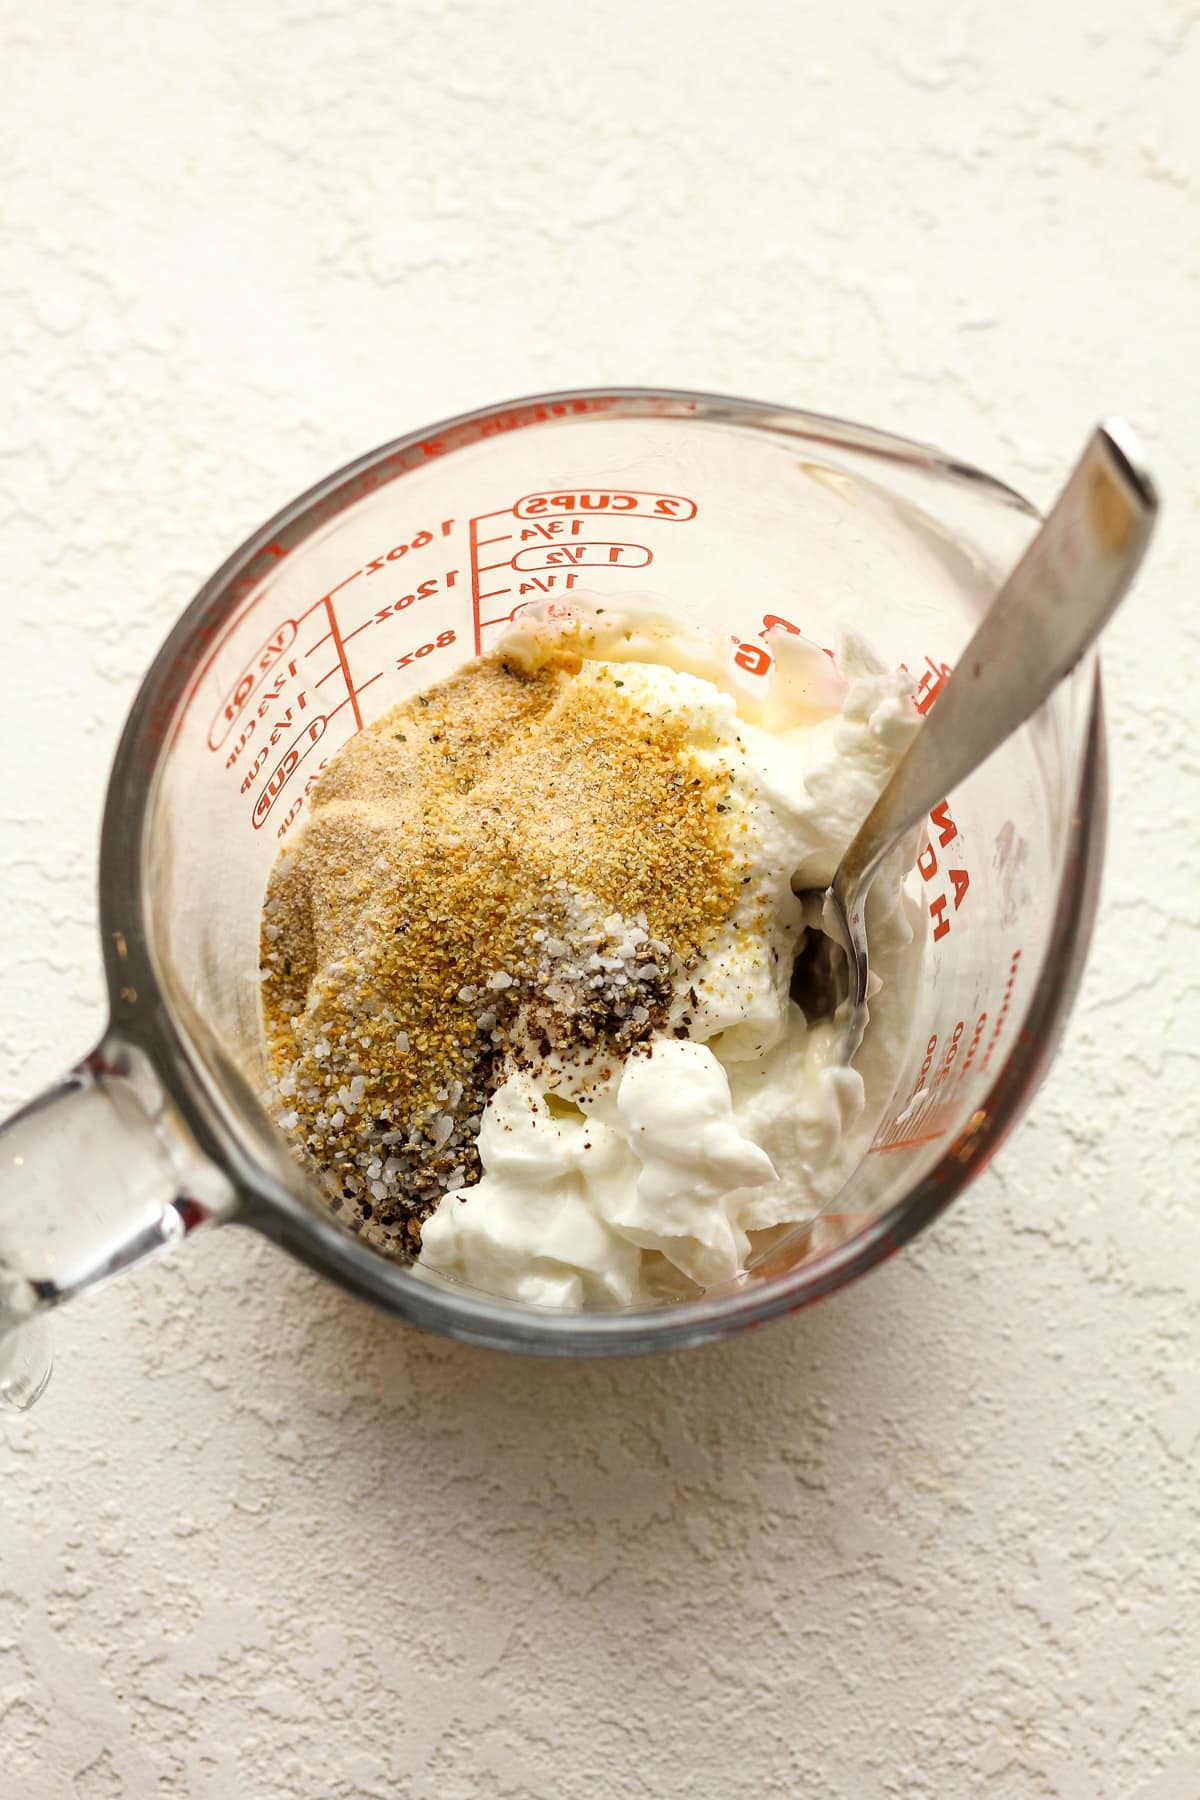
(1067, 585)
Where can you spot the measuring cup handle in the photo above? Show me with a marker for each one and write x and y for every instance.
(96, 1174)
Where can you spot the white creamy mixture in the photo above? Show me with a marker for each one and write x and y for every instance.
(619, 1190)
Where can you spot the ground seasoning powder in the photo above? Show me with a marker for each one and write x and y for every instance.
(510, 870)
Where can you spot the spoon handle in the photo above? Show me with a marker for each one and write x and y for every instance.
(1053, 605)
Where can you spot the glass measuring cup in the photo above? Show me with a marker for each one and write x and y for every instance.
(737, 516)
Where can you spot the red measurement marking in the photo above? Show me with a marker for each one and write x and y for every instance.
(948, 1060)
(335, 633)
(943, 824)
(425, 590)
(261, 665)
(1005, 1004)
(243, 598)
(250, 680)
(644, 505)
(548, 529)
(946, 832)
(753, 658)
(474, 541)
(263, 686)
(908, 1143)
(980, 1022)
(931, 684)
(931, 1102)
(442, 641)
(600, 555)
(934, 1103)
(255, 770)
(286, 767)
(504, 618)
(545, 586)
(545, 538)
(367, 483)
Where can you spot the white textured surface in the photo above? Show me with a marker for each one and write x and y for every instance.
(937, 1537)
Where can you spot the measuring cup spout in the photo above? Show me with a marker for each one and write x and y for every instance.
(96, 1174)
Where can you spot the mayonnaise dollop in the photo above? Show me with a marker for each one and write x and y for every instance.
(634, 1181)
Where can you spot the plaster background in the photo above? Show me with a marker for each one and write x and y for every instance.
(937, 1537)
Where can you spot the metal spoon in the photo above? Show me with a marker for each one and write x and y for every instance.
(1063, 591)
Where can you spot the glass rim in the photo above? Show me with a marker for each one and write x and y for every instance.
(142, 1013)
